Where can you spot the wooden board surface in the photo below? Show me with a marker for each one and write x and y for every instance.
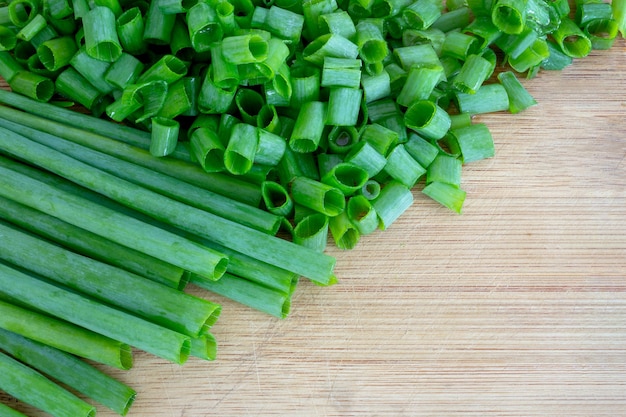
(515, 308)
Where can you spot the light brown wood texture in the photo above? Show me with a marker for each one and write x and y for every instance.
(517, 307)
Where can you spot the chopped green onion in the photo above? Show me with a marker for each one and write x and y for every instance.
(204, 26)
(447, 195)
(32, 85)
(276, 198)
(101, 39)
(23, 11)
(329, 45)
(344, 104)
(94, 70)
(164, 136)
(280, 22)
(207, 149)
(393, 200)
(309, 126)
(402, 167)
(619, 14)
(420, 84)
(519, 98)
(475, 70)
(339, 23)
(380, 137)
(487, 99)
(56, 53)
(421, 14)
(427, 119)
(509, 15)
(370, 40)
(241, 149)
(73, 86)
(124, 71)
(362, 214)
(344, 233)
(26, 33)
(445, 169)
(9, 67)
(244, 49)
(571, 39)
(475, 142)
(370, 190)
(130, 27)
(305, 84)
(312, 232)
(157, 25)
(322, 198)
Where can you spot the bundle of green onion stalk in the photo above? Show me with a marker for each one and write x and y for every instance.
(150, 144)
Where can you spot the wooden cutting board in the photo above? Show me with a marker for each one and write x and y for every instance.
(517, 307)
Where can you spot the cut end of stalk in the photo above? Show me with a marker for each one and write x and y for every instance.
(106, 51)
(334, 202)
(126, 357)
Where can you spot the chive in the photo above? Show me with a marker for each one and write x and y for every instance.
(143, 237)
(519, 98)
(166, 307)
(62, 335)
(92, 245)
(179, 169)
(31, 387)
(261, 298)
(447, 195)
(163, 184)
(70, 371)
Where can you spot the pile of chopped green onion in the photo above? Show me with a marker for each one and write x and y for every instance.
(146, 145)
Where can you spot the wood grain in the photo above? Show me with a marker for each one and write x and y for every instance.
(517, 307)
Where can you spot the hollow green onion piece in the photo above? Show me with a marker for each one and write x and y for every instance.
(360, 8)
(339, 23)
(342, 138)
(204, 26)
(322, 198)
(309, 126)
(143, 237)
(519, 98)
(619, 14)
(7, 411)
(130, 27)
(31, 85)
(344, 105)
(344, 233)
(376, 87)
(341, 72)
(249, 102)
(163, 184)
(164, 136)
(556, 59)
(124, 71)
(427, 119)
(475, 142)
(23, 11)
(185, 171)
(460, 45)
(270, 148)
(166, 307)
(278, 91)
(207, 149)
(473, 73)
(421, 150)
(487, 99)
(460, 120)
(305, 84)
(94, 70)
(101, 40)
(509, 15)
(312, 10)
(389, 8)
(370, 40)
(90, 244)
(531, 57)
(225, 74)
(225, 11)
(70, 371)
(158, 25)
(249, 293)
(63, 335)
(9, 67)
(402, 167)
(514, 45)
(445, 169)
(312, 232)
(56, 53)
(94, 316)
(241, 149)
(601, 32)
(380, 137)
(243, 12)
(31, 387)
(22, 52)
(365, 156)
(587, 11)
(213, 99)
(447, 195)
(346, 177)
(168, 68)
(483, 29)
(362, 214)
(26, 33)
(453, 20)
(173, 6)
(420, 83)
(421, 14)
(114, 5)
(408, 56)
(73, 86)
(45, 34)
(276, 198)
(571, 39)
(268, 118)
(244, 49)
(280, 22)
(393, 200)
(66, 26)
(329, 45)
